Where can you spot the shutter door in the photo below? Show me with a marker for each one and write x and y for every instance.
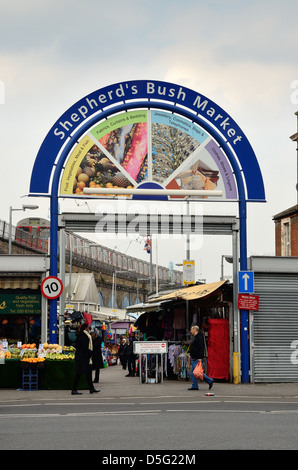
(275, 328)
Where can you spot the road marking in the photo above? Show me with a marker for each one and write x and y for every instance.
(217, 411)
(179, 402)
(90, 413)
(235, 411)
(87, 403)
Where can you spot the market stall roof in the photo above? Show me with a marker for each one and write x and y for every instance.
(190, 293)
(83, 288)
(186, 293)
(146, 307)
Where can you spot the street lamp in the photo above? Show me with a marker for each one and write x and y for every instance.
(229, 259)
(24, 207)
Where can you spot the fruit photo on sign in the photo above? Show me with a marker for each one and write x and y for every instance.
(98, 171)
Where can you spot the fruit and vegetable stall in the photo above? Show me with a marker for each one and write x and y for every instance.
(55, 365)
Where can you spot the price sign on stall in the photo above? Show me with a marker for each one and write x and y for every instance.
(51, 287)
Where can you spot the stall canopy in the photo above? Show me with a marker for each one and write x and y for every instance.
(84, 297)
(187, 293)
(20, 282)
(191, 293)
(83, 288)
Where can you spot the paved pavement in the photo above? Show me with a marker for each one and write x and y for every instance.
(113, 383)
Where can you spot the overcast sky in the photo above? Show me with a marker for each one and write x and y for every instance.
(240, 54)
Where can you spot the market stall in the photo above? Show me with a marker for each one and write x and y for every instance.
(52, 366)
(167, 318)
(120, 328)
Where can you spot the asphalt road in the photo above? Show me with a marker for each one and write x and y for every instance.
(126, 417)
(150, 423)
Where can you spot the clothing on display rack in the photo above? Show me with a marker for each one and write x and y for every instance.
(179, 360)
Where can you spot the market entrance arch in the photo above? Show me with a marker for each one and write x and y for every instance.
(153, 137)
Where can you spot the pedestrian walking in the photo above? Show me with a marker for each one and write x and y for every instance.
(131, 357)
(97, 360)
(83, 359)
(122, 353)
(197, 353)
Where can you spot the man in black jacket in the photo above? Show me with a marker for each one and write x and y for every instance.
(197, 353)
(83, 359)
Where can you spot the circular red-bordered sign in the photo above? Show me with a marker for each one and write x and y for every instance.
(51, 287)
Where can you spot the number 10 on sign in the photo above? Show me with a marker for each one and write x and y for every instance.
(51, 287)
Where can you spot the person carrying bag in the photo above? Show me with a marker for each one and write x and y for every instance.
(197, 354)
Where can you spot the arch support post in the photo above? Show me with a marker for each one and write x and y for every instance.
(244, 338)
(53, 267)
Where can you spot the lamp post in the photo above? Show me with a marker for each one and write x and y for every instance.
(229, 259)
(24, 207)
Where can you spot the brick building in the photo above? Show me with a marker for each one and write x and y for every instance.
(286, 222)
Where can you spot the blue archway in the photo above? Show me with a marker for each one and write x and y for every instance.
(147, 94)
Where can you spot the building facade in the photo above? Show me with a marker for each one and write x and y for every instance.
(286, 222)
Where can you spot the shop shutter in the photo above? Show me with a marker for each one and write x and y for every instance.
(275, 328)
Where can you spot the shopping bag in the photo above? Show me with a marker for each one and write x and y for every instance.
(198, 371)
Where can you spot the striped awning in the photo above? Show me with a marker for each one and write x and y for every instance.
(20, 282)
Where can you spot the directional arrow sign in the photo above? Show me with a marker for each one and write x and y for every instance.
(246, 282)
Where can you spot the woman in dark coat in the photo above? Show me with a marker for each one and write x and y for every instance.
(83, 359)
(97, 361)
(122, 353)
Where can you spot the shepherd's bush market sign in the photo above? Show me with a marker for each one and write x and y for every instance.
(152, 132)
(128, 91)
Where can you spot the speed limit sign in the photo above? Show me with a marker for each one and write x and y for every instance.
(51, 287)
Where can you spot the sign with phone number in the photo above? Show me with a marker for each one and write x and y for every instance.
(20, 304)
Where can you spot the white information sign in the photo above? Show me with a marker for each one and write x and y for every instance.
(188, 272)
(150, 347)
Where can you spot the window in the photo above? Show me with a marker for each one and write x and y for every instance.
(286, 237)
